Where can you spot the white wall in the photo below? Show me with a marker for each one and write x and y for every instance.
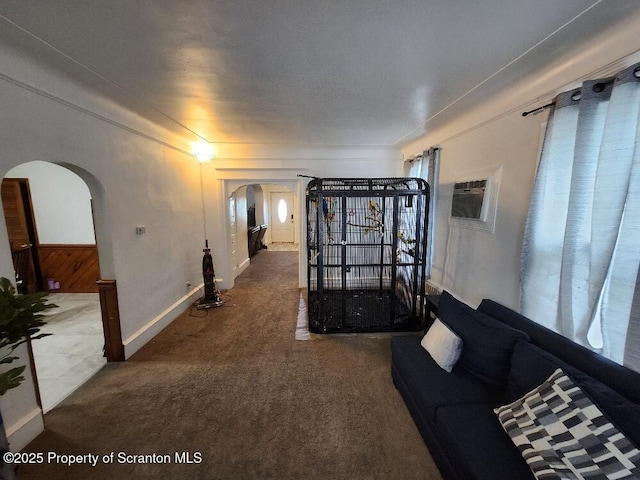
(138, 174)
(61, 203)
(242, 248)
(476, 264)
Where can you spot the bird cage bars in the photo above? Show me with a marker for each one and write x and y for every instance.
(366, 250)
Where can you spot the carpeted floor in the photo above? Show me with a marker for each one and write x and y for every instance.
(243, 397)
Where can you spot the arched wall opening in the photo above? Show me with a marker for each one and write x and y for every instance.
(236, 192)
(70, 252)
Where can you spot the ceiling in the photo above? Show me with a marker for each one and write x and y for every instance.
(301, 72)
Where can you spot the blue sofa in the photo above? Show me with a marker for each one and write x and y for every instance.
(504, 356)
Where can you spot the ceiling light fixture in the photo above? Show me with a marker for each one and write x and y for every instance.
(203, 151)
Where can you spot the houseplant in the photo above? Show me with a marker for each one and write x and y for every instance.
(20, 318)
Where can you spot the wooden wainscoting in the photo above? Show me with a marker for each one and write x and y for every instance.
(113, 347)
(76, 267)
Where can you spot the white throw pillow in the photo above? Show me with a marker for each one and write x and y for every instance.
(443, 345)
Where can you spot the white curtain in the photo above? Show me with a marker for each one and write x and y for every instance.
(413, 166)
(427, 167)
(581, 248)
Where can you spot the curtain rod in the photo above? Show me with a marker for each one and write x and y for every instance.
(420, 155)
(598, 87)
(539, 109)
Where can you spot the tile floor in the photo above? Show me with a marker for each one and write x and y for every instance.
(282, 247)
(74, 353)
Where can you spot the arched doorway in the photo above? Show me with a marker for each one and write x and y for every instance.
(49, 212)
(294, 185)
(259, 202)
(272, 205)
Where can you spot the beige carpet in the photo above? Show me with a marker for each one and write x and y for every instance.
(246, 400)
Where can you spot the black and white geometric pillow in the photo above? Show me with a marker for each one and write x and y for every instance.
(562, 435)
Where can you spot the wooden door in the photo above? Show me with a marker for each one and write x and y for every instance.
(21, 229)
(14, 213)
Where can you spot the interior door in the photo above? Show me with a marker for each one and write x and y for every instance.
(282, 218)
(21, 229)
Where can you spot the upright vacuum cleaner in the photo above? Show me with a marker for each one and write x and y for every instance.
(211, 297)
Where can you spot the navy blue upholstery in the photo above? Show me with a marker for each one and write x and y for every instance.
(621, 379)
(488, 344)
(473, 437)
(454, 411)
(432, 386)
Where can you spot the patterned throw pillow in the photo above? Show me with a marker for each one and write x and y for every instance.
(562, 434)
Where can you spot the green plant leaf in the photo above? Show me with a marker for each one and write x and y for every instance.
(21, 317)
(11, 379)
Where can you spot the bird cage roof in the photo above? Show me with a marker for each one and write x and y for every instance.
(408, 185)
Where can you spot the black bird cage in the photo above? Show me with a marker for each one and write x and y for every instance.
(366, 251)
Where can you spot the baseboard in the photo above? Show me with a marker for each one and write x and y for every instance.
(21, 433)
(243, 266)
(136, 341)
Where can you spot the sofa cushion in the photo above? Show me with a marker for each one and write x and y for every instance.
(562, 434)
(621, 379)
(531, 365)
(432, 387)
(443, 345)
(472, 435)
(488, 343)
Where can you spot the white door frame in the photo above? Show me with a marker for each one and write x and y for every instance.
(298, 187)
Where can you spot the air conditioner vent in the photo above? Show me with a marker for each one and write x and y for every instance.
(468, 199)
